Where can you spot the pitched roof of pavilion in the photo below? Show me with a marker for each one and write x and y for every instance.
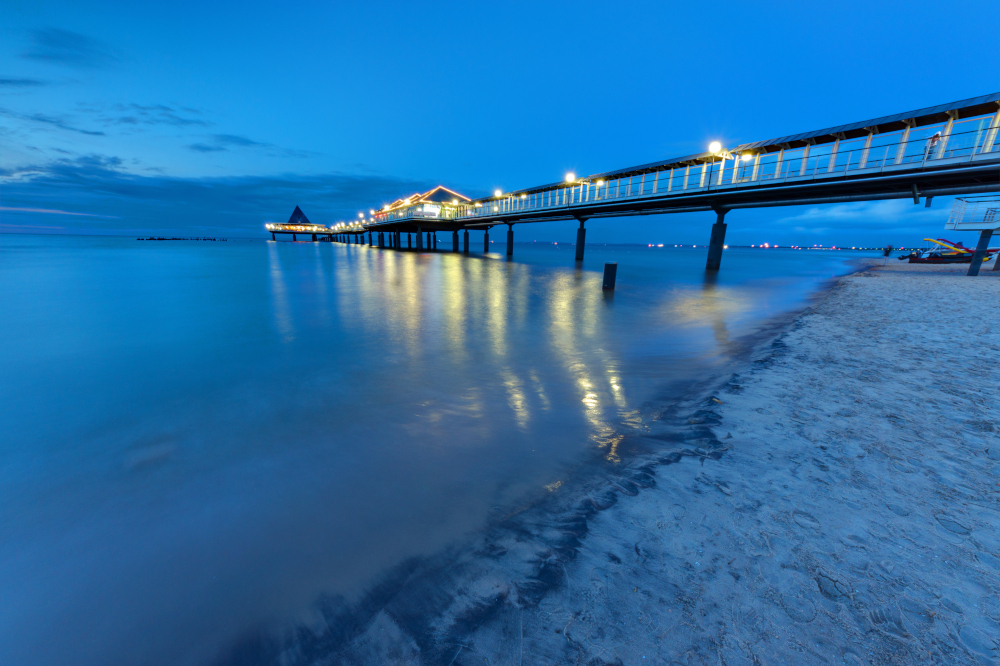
(298, 217)
(439, 194)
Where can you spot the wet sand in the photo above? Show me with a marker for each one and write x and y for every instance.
(836, 500)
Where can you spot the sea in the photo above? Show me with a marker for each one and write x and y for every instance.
(201, 438)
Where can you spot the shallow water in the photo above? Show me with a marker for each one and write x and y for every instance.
(200, 438)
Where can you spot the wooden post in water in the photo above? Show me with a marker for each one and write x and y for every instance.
(610, 274)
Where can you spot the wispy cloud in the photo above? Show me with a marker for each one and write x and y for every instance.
(72, 49)
(53, 211)
(21, 83)
(150, 114)
(223, 142)
(52, 121)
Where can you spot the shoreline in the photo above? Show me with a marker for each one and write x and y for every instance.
(754, 524)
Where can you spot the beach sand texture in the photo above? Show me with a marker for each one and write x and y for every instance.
(835, 501)
(854, 517)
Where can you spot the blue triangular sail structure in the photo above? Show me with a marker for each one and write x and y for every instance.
(298, 217)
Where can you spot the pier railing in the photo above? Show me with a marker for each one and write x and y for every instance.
(930, 146)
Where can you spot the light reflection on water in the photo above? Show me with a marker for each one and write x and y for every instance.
(201, 438)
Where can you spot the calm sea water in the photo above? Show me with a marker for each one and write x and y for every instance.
(200, 438)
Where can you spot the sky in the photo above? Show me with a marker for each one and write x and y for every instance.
(198, 119)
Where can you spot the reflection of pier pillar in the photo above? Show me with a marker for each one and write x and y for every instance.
(716, 242)
(510, 240)
(977, 256)
(420, 239)
(465, 242)
(581, 239)
(486, 241)
(454, 241)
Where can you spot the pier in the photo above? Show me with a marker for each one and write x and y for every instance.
(945, 150)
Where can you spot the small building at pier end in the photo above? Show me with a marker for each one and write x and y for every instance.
(439, 203)
(298, 223)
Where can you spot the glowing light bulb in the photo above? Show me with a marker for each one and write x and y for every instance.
(570, 177)
(714, 147)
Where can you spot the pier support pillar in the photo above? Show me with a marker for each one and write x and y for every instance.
(420, 239)
(977, 256)
(370, 243)
(581, 240)
(486, 241)
(409, 241)
(454, 241)
(465, 242)
(272, 236)
(429, 246)
(381, 240)
(434, 237)
(717, 242)
(293, 236)
(510, 240)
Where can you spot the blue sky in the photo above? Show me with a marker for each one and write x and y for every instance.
(209, 119)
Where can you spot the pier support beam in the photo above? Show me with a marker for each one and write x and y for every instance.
(486, 241)
(581, 239)
(465, 242)
(716, 242)
(510, 240)
(454, 241)
(977, 256)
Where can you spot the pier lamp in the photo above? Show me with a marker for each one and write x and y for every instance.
(570, 177)
(714, 147)
(371, 212)
(497, 194)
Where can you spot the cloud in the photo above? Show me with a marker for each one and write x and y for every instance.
(63, 47)
(52, 121)
(127, 202)
(223, 142)
(52, 211)
(151, 114)
(21, 83)
(205, 148)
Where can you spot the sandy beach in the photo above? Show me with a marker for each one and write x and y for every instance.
(835, 500)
